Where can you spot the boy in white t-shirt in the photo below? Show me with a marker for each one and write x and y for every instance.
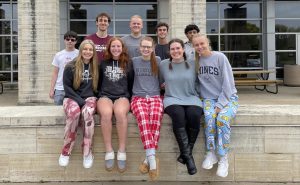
(60, 60)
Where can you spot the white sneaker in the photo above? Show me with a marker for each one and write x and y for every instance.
(210, 160)
(223, 166)
(63, 160)
(88, 161)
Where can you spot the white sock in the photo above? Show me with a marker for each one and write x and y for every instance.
(152, 162)
(146, 161)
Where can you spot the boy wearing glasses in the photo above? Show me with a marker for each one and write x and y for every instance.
(101, 37)
(60, 60)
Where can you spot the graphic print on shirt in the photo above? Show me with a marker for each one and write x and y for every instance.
(114, 73)
(143, 72)
(86, 75)
(100, 48)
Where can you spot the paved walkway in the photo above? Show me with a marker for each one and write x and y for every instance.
(248, 95)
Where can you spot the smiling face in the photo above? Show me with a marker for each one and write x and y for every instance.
(116, 49)
(176, 51)
(87, 52)
(146, 48)
(162, 32)
(201, 45)
(102, 23)
(136, 25)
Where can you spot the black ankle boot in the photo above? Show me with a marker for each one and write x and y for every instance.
(192, 136)
(185, 151)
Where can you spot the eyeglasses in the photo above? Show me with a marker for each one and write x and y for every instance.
(146, 47)
(68, 39)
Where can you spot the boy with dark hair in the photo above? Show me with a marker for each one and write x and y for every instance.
(59, 62)
(190, 30)
(101, 37)
(162, 48)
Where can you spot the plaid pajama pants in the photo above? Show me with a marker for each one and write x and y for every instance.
(148, 112)
(73, 116)
(217, 127)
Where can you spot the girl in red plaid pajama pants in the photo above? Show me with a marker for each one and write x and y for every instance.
(80, 81)
(146, 104)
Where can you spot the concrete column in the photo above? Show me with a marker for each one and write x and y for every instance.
(270, 58)
(184, 12)
(38, 41)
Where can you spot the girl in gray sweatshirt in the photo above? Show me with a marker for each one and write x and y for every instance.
(147, 105)
(220, 102)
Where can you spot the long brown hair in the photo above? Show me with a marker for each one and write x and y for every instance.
(123, 58)
(79, 66)
(153, 62)
(197, 57)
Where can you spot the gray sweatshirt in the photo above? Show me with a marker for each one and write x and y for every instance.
(144, 82)
(216, 79)
(133, 45)
(179, 83)
(189, 51)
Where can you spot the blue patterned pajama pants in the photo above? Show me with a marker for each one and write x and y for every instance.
(217, 126)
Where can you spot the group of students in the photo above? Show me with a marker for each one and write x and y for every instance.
(130, 77)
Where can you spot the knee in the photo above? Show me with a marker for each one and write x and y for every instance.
(73, 113)
(105, 116)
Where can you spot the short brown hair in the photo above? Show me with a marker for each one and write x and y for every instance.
(103, 15)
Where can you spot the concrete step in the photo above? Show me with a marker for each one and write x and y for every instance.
(265, 148)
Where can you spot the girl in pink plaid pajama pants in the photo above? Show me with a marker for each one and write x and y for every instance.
(80, 80)
(146, 104)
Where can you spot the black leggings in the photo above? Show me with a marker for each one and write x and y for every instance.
(185, 116)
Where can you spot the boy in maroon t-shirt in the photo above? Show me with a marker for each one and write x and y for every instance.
(101, 38)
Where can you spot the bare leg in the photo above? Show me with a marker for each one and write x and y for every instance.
(121, 108)
(105, 110)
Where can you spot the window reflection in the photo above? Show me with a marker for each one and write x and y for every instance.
(240, 10)
(287, 25)
(241, 26)
(283, 58)
(240, 42)
(285, 42)
(253, 60)
(145, 11)
(287, 10)
(5, 63)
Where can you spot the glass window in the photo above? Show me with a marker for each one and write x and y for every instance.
(6, 76)
(287, 10)
(8, 38)
(211, 11)
(89, 11)
(214, 42)
(5, 28)
(212, 26)
(240, 42)
(15, 77)
(240, 26)
(249, 59)
(145, 11)
(285, 42)
(5, 63)
(5, 44)
(284, 25)
(240, 10)
(5, 11)
(285, 58)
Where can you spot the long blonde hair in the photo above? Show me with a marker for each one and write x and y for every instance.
(79, 66)
(197, 57)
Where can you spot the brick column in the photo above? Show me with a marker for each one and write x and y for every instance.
(38, 41)
(184, 12)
